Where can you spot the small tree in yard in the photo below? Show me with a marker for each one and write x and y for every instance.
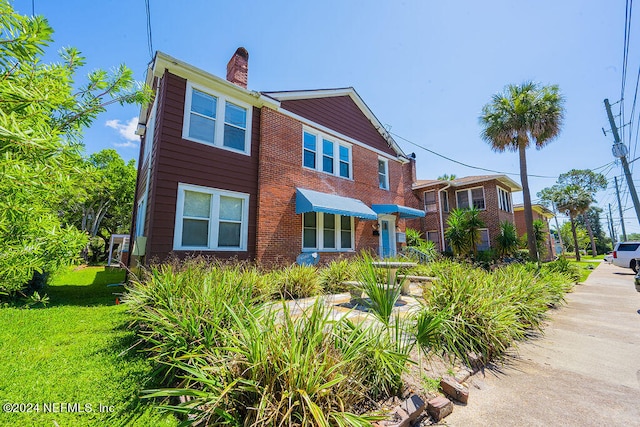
(463, 230)
(507, 241)
(41, 119)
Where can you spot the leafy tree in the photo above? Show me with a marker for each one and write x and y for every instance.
(581, 236)
(447, 177)
(570, 198)
(463, 230)
(592, 216)
(591, 182)
(540, 232)
(507, 241)
(521, 116)
(456, 232)
(104, 199)
(41, 120)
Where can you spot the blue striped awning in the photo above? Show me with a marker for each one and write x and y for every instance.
(315, 201)
(404, 211)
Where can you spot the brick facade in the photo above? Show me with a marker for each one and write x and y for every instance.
(281, 172)
(492, 215)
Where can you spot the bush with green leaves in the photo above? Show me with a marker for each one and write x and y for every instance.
(486, 312)
(507, 242)
(42, 117)
(237, 361)
(334, 274)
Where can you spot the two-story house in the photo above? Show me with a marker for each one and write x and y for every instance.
(230, 172)
(491, 194)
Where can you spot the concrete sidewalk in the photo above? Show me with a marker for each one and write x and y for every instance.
(584, 371)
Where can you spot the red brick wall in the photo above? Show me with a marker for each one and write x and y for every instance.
(279, 228)
(492, 215)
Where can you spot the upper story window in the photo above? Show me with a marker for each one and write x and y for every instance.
(383, 173)
(214, 119)
(504, 200)
(323, 153)
(444, 201)
(430, 201)
(211, 219)
(470, 197)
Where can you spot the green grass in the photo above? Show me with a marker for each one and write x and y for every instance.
(585, 266)
(70, 352)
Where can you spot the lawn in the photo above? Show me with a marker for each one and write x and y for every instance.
(71, 352)
(586, 265)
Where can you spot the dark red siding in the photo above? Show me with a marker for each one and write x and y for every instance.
(341, 114)
(181, 161)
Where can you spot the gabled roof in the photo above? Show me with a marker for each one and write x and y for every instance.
(327, 107)
(468, 180)
(541, 209)
(162, 61)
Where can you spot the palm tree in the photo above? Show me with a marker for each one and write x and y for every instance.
(520, 116)
(570, 198)
(457, 233)
(591, 182)
(474, 224)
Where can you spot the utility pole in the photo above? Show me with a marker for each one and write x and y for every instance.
(611, 229)
(555, 216)
(620, 151)
(624, 233)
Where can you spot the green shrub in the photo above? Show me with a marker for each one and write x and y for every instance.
(335, 273)
(382, 294)
(485, 312)
(507, 242)
(298, 281)
(561, 265)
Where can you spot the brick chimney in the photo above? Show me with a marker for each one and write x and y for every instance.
(238, 67)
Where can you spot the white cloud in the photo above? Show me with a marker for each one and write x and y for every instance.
(126, 145)
(126, 130)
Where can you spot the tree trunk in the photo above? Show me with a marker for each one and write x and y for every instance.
(594, 251)
(575, 237)
(528, 212)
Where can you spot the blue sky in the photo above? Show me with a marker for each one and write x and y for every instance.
(425, 68)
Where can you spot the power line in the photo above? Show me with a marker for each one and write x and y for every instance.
(149, 37)
(465, 164)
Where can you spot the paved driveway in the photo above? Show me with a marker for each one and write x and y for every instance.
(585, 371)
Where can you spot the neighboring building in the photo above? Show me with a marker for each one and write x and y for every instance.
(491, 194)
(542, 213)
(234, 173)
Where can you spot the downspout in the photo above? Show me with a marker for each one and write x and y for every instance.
(440, 212)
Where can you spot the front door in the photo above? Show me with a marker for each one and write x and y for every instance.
(387, 236)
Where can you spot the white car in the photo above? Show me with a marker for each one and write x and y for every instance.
(625, 254)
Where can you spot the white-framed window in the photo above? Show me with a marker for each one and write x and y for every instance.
(141, 212)
(484, 244)
(214, 119)
(383, 173)
(504, 200)
(444, 201)
(430, 204)
(327, 232)
(211, 219)
(470, 197)
(149, 132)
(326, 154)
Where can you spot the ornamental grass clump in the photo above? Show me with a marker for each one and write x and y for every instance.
(334, 274)
(382, 295)
(487, 312)
(298, 281)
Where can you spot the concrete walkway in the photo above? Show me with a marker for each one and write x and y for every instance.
(584, 371)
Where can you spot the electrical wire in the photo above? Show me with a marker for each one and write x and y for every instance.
(465, 164)
(149, 35)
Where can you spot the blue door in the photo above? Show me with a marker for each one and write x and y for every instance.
(386, 247)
